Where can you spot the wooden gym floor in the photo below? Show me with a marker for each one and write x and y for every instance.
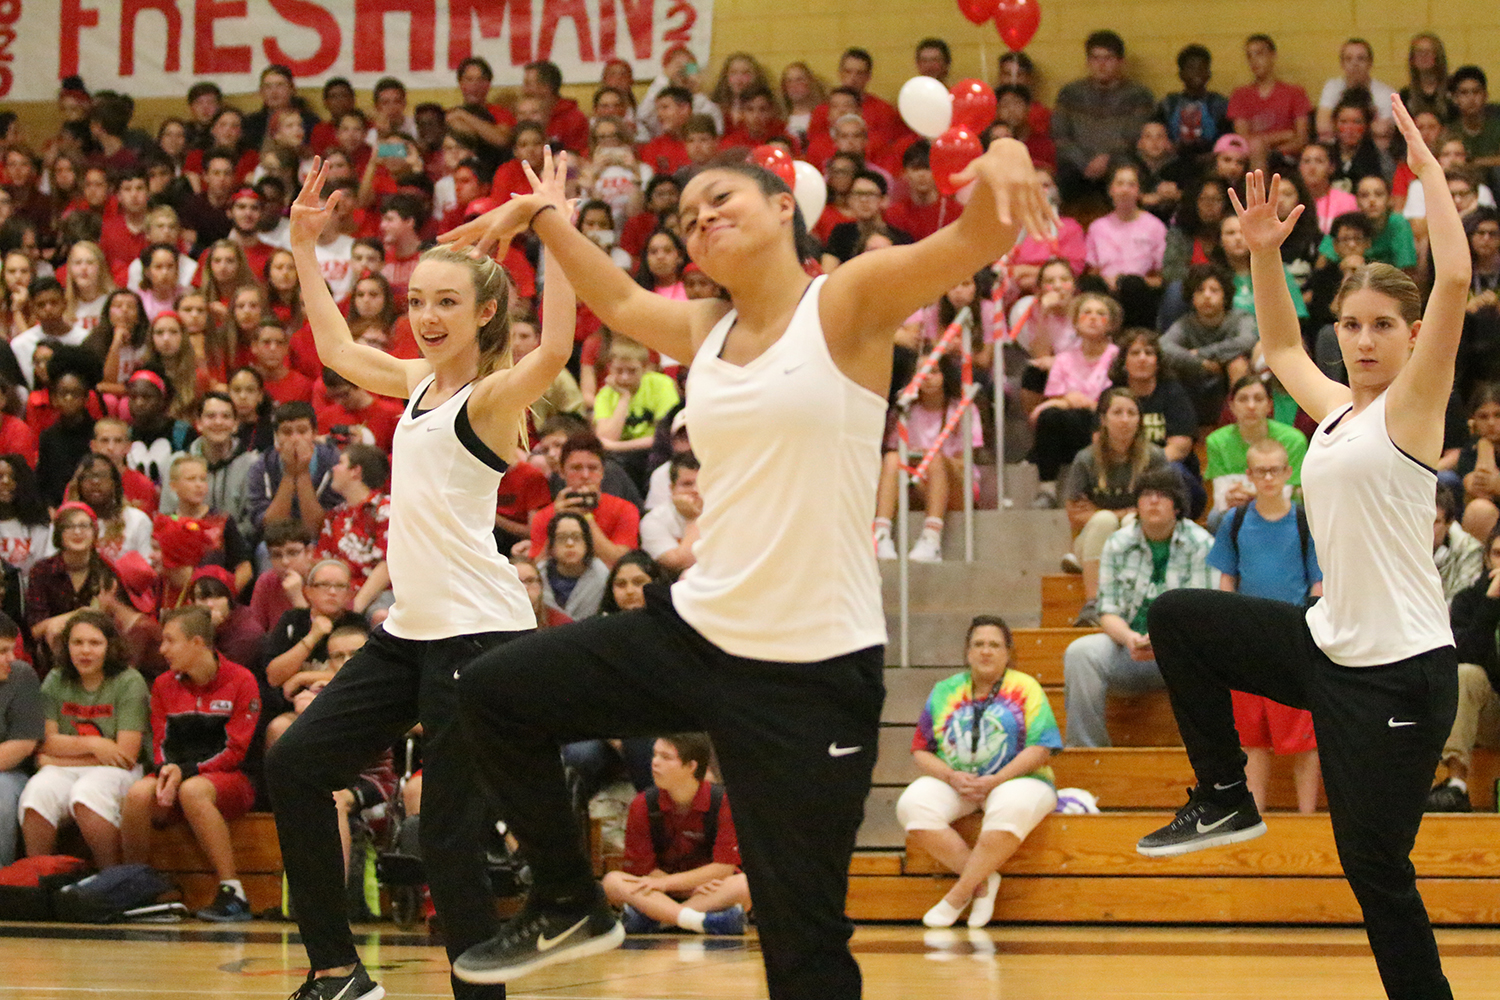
(53, 962)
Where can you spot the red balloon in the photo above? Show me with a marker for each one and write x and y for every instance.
(951, 152)
(978, 11)
(776, 160)
(973, 104)
(1017, 20)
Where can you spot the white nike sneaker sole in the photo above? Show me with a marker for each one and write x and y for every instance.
(1202, 843)
(594, 946)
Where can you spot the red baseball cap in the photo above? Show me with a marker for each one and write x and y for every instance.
(138, 580)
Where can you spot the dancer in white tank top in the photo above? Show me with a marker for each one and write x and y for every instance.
(773, 641)
(1374, 659)
(456, 595)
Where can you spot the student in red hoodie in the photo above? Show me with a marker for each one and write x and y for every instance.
(667, 153)
(270, 350)
(203, 714)
(566, 124)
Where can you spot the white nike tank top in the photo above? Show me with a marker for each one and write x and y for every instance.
(447, 574)
(1370, 508)
(790, 447)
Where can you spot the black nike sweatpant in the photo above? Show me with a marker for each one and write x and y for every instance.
(796, 744)
(1380, 733)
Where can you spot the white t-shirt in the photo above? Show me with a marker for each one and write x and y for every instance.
(662, 529)
(333, 262)
(444, 197)
(1416, 200)
(186, 268)
(1379, 93)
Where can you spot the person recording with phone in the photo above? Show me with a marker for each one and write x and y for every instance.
(613, 523)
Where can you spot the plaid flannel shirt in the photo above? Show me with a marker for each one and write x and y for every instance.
(1125, 567)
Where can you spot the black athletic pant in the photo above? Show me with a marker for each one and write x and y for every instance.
(786, 736)
(1060, 434)
(387, 687)
(1380, 733)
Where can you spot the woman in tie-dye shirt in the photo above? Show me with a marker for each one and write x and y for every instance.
(982, 743)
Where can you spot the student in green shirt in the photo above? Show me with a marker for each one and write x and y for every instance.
(1228, 447)
(629, 405)
(97, 714)
(1391, 240)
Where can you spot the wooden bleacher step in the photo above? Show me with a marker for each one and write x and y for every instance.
(257, 855)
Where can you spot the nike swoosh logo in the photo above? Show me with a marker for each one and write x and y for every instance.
(345, 991)
(1393, 723)
(543, 943)
(1215, 824)
(1220, 788)
(834, 750)
(431, 430)
(793, 368)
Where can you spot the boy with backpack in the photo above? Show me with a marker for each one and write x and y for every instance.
(682, 859)
(1264, 549)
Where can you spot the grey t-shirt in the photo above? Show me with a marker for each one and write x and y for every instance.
(1083, 480)
(21, 704)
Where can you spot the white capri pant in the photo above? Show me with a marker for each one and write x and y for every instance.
(53, 792)
(1015, 806)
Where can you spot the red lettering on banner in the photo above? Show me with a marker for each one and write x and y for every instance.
(491, 22)
(369, 34)
(75, 17)
(130, 10)
(10, 13)
(306, 14)
(554, 11)
(683, 32)
(210, 59)
(639, 19)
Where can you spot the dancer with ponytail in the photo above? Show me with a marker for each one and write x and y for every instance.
(1374, 659)
(456, 595)
(778, 656)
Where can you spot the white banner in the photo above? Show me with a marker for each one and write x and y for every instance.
(159, 48)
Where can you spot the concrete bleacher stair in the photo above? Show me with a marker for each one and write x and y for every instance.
(1085, 868)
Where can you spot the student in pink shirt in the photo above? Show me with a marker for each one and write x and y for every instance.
(1127, 246)
(1064, 421)
(1315, 167)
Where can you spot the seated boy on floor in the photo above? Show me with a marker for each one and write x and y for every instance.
(203, 714)
(681, 854)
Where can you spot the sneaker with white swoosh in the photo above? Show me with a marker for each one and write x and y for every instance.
(539, 936)
(357, 985)
(1203, 823)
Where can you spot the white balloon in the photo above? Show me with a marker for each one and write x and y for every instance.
(810, 191)
(926, 106)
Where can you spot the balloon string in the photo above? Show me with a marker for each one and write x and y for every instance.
(984, 59)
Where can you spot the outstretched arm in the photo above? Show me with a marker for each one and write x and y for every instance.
(871, 294)
(1280, 332)
(499, 400)
(1419, 396)
(660, 323)
(365, 366)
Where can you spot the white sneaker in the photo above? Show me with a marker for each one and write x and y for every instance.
(929, 548)
(885, 548)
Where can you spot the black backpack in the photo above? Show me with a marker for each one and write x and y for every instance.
(659, 829)
(110, 895)
(1304, 537)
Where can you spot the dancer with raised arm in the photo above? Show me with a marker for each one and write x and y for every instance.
(456, 595)
(774, 641)
(1374, 659)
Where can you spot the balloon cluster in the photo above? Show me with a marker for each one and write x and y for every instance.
(1016, 20)
(802, 177)
(952, 119)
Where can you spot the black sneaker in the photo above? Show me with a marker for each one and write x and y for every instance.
(227, 908)
(357, 985)
(1201, 824)
(538, 937)
(1448, 798)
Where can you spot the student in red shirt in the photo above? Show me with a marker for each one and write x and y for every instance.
(349, 405)
(667, 153)
(401, 219)
(615, 523)
(921, 211)
(1269, 113)
(270, 350)
(124, 234)
(566, 124)
(758, 122)
(203, 715)
(338, 100)
(674, 874)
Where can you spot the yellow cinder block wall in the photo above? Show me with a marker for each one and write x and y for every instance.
(1308, 34)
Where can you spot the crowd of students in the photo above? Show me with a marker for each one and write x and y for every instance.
(170, 439)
